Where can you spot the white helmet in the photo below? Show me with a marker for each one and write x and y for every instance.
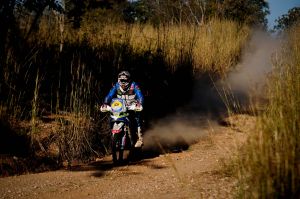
(124, 79)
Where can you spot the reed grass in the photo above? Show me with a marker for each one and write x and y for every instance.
(269, 166)
(214, 47)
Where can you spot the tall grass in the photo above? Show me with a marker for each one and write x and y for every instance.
(77, 130)
(270, 164)
(215, 46)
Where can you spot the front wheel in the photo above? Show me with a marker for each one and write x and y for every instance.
(117, 149)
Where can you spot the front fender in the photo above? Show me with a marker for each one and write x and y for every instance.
(117, 127)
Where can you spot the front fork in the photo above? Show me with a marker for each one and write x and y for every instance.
(117, 147)
(118, 143)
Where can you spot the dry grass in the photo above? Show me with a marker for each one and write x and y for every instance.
(214, 47)
(269, 167)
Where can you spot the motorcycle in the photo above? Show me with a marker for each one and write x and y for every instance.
(123, 135)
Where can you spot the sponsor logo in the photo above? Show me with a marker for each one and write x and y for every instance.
(126, 97)
(116, 105)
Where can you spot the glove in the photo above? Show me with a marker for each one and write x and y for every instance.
(103, 107)
(139, 106)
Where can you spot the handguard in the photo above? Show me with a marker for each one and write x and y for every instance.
(105, 108)
(135, 107)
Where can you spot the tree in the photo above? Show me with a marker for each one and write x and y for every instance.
(174, 11)
(8, 22)
(136, 11)
(38, 7)
(75, 9)
(288, 20)
(251, 12)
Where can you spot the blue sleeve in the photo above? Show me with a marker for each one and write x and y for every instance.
(139, 94)
(110, 95)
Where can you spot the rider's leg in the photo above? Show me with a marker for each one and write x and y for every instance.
(139, 142)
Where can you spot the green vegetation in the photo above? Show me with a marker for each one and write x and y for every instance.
(288, 20)
(250, 12)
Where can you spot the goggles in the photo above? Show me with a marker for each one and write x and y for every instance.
(123, 80)
(124, 73)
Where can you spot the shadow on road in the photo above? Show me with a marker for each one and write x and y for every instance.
(142, 158)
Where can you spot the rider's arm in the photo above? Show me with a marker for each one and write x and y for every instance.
(111, 94)
(139, 94)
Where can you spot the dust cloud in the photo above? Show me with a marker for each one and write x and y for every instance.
(207, 106)
(256, 63)
(246, 84)
(174, 133)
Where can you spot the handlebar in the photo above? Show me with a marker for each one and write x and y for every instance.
(132, 107)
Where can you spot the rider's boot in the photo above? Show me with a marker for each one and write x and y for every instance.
(139, 142)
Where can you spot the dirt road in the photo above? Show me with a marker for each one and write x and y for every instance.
(194, 173)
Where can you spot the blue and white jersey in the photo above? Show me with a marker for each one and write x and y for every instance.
(132, 94)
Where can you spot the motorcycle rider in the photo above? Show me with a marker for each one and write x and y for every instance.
(128, 90)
